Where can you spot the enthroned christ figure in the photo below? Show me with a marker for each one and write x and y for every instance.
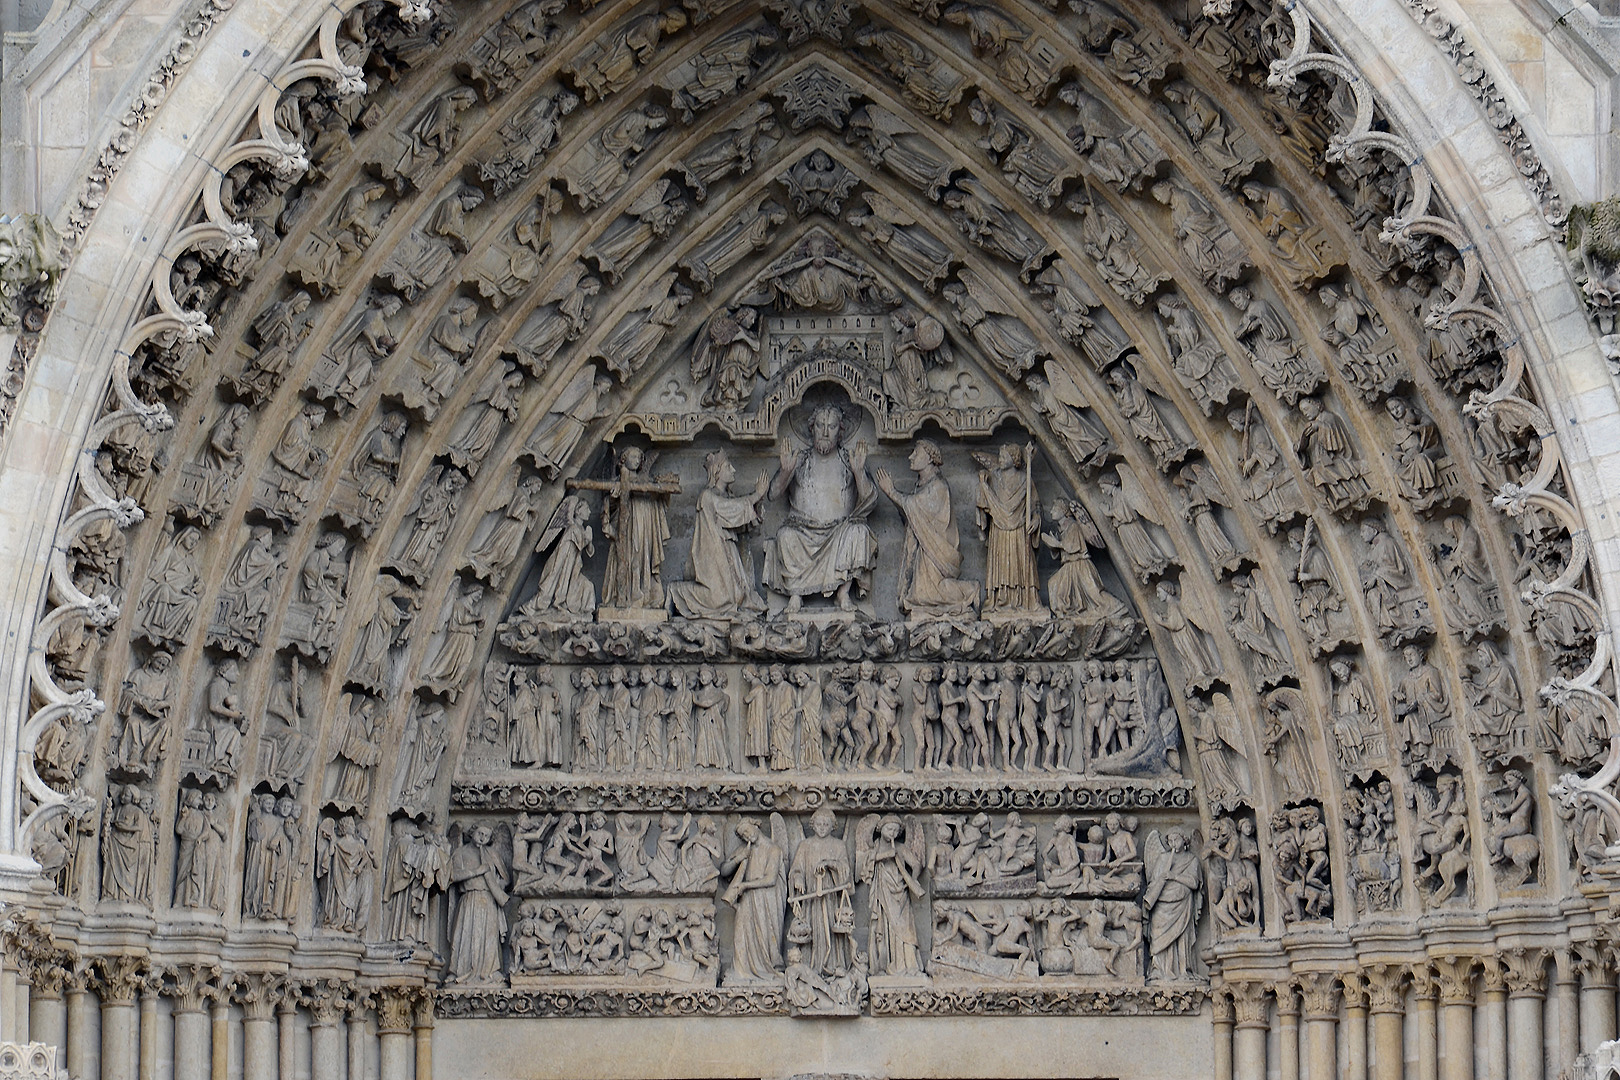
(824, 548)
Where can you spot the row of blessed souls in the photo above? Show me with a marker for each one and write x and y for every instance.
(836, 718)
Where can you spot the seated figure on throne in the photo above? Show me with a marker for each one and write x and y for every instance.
(824, 548)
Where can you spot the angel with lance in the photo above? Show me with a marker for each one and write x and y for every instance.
(758, 892)
(564, 592)
(722, 574)
(728, 350)
(1173, 901)
(478, 926)
(1009, 520)
(889, 858)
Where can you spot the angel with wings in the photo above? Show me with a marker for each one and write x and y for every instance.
(1218, 739)
(564, 592)
(728, 349)
(1059, 398)
(1127, 507)
(494, 556)
(758, 892)
(559, 431)
(889, 858)
(1173, 901)
(1076, 588)
(985, 316)
(915, 250)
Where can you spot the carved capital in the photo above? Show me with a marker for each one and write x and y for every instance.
(118, 979)
(258, 992)
(192, 986)
(1525, 971)
(1593, 960)
(1355, 989)
(1287, 994)
(424, 1009)
(1455, 975)
(1386, 987)
(1424, 985)
(1492, 976)
(45, 964)
(1220, 1005)
(1249, 1003)
(327, 1001)
(1320, 991)
(396, 1008)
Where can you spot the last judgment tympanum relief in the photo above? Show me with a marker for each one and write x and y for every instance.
(819, 510)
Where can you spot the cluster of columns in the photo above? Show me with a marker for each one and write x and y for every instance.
(104, 1017)
(1450, 1017)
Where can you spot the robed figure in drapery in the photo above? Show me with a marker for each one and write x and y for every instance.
(889, 859)
(820, 890)
(1172, 900)
(933, 555)
(825, 547)
(637, 525)
(758, 892)
(722, 576)
(479, 925)
(1010, 520)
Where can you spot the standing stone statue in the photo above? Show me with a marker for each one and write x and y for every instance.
(821, 889)
(1009, 520)
(758, 892)
(1173, 898)
(479, 926)
(889, 859)
(344, 865)
(635, 522)
(722, 574)
(824, 547)
(418, 865)
(564, 592)
(928, 583)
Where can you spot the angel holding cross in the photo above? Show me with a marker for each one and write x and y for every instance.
(635, 522)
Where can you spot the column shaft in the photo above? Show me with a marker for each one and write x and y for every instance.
(118, 1040)
(1389, 1046)
(1427, 1040)
(80, 1023)
(191, 1045)
(1525, 1047)
(424, 1052)
(1567, 1036)
(1493, 1015)
(1322, 1047)
(259, 1057)
(1355, 1042)
(357, 1046)
(397, 1053)
(326, 1051)
(1597, 1013)
(1223, 1050)
(47, 1020)
(149, 1036)
(1458, 1064)
(287, 1041)
(219, 1058)
(19, 1006)
(1287, 1044)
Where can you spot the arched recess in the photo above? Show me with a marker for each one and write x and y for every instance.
(970, 221)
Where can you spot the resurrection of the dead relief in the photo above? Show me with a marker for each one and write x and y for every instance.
(822, 512)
